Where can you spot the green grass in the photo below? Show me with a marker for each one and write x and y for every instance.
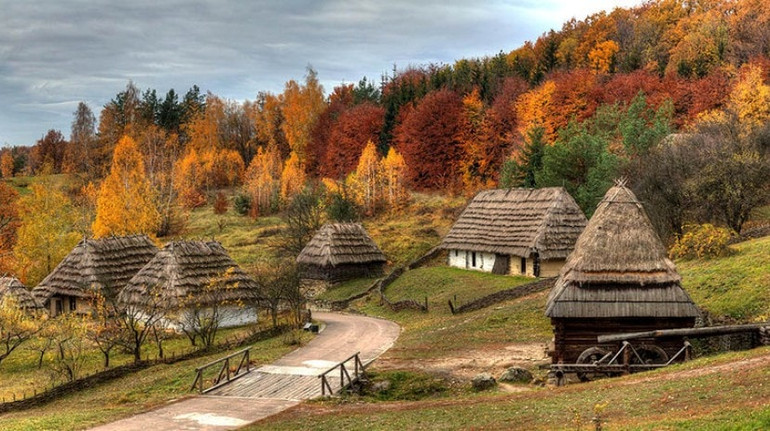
(127, 396)
(677, 397)
(440, 334)
(347, 289)
(735, 286)
(20, 373)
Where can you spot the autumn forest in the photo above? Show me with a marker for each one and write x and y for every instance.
(672, 95)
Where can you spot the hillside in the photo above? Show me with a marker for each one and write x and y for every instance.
(729, 391)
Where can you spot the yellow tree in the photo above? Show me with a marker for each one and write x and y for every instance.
(301, 106)
(394, 179)
(46, 232)
(263, 178)
(126, 201)
(750, 98)
(6, 165)
(533, 109)
(189, 179)
(17, 326)
(602, 57)
(367, 178)
(292, 177)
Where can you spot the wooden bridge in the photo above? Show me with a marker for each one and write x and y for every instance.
(284, 382)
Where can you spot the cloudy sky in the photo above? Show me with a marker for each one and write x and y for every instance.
(55, 53)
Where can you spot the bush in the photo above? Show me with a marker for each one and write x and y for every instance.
(340, 209)
(242, 204)
(220, 204)
(701, 242)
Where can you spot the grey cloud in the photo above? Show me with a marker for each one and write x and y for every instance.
(54, 53)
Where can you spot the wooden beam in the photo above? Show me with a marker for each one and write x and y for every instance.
(682, 332)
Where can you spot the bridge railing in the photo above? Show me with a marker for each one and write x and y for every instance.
(225, 375)
(359, 371)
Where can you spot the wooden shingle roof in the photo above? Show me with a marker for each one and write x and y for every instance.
(340, 243)
(619, 268)
(519, 222)
(97, 264)
(183, 269)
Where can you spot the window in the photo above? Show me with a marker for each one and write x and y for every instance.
(73, 303)
(523, 265)
(473, 259)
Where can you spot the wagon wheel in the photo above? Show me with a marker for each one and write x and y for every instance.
(649, 355)
(590, 355)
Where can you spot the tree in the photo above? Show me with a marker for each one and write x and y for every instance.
(201, 314)
(49, 150)
(17, 326)
(126, 204)
(750, 98)
(303, 219)
(522, 171)
(46, 232)
(104, 329)
(278, 282)
(354, 128)
(6, 165)
(263, 179)
(9, 224)
(70, 345)
(141, 319)
(190, 179)
(81, 152)
(602, 57)
(292, 177)
(300, 106)
(533, 109)
(366, 180)
(429, 141)
(394, 179)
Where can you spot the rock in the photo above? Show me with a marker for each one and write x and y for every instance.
(381, 386)
(483, 382)
(516, 375)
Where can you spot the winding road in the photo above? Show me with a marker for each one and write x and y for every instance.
(275, 387)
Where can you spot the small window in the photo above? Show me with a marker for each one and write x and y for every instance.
(73, 303)
(523, 265)
(473, 259)
(457, 253)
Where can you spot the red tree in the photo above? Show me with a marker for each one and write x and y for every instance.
(429, 140)
(348, 137)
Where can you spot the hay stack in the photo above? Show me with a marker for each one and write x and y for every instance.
(183, 269)
(341, 251)
(13, 288)
(618, 279)
(106, 263)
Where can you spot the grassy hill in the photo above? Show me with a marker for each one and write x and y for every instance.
(735, 287)
(729, 391)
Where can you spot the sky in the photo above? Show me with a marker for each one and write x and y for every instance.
(56, 53)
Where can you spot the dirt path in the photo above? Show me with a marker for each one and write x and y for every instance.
(247, 400)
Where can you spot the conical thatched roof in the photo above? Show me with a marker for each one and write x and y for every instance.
(519, 222)
(12, 287)
(619, 267)
(97, 264)
(340, 243)
(182, 270)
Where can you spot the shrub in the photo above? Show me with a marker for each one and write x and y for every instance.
(340, 209)
(242, 204)
(701, 242)
(220, 204)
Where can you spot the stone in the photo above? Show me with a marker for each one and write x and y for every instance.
(483, 382)
(516, 375)
(381, 386)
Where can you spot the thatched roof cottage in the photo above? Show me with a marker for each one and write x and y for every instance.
(94, 264)
(516, 231)
(340, 251)
(618, 279)
(185, 276)
(11, 287)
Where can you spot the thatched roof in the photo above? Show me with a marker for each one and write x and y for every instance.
(182, 270)
(340, 243)
(12, 287)
(619, 267)
(95, 264)
(519, 222)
